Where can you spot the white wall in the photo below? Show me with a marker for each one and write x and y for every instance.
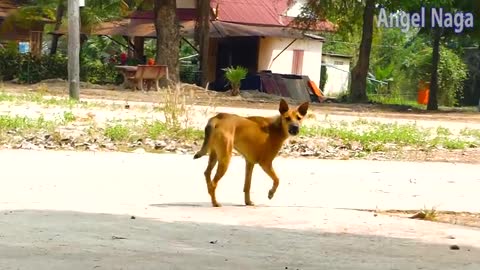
(271, 47)
(337, 81)
(186, 4)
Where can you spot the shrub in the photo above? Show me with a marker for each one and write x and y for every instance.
(235, 77)
(9, 66)
(452, 72)
(98, 73)
(31, 69)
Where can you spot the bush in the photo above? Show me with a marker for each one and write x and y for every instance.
(98, 73)
(34, 69)
(452, 72)
(9, 66)
(31, 69)
(235, 77)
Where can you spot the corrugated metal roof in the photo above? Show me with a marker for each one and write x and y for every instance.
(235, 18)
(247, 12)
(218, 29)
(183, 14)
(260, 12)
(7, 6)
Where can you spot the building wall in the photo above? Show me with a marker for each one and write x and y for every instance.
(270, 47)
(186, 4)
(337, 81)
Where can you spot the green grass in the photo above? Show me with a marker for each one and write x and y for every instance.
(393, 100)
(23, 123)
(371, 136)
(455, 144)
(134, 130)
(69, 117)
(39, 98)
(374, 136)
(443, 131)
(475, 133)
(155, 129)
(118, 132)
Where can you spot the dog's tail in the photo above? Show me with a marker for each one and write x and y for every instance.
(206, 141)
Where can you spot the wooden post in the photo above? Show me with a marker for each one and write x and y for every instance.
(202, 36)
(74, 49)
(139, 43)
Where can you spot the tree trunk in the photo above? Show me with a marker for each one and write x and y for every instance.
(202, 30)
(358, 91)
(168, 37)
(432, 99)
(58, 24)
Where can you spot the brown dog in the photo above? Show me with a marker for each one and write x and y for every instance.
(257, 139)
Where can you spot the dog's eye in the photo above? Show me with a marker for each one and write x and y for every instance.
(299, 118)
(288, 118)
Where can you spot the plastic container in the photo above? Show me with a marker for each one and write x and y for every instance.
(423, 93)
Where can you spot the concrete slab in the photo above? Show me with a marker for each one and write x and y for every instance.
(61, 209)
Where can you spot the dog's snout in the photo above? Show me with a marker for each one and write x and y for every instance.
(293, 129)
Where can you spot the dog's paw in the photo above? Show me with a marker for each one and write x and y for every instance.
(249, 203)
(216, 205)
(270, 194)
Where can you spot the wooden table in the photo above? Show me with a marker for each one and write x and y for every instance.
(127, 72)
(137, 77)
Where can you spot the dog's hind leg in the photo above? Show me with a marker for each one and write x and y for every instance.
(268, 168)
(212, 161)
(224, 153)
(248, 181)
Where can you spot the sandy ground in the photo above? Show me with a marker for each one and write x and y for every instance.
(73, 210)
(249, 99)
(198, 113)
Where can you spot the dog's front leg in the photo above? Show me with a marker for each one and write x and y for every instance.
(248, 181)
(268, 168)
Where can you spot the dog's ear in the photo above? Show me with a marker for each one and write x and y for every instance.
(283, 108)
(303, 108)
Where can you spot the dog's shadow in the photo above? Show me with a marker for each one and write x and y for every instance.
(209, 205)
(194, 204)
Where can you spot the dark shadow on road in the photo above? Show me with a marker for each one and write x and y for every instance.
(209, 205)
(192, 204)
(42, 240)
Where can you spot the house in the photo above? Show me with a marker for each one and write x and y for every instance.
(338, 73)
(257, 34)
(261, 35)
(12, 30)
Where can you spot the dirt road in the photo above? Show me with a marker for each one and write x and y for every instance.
(66, 210)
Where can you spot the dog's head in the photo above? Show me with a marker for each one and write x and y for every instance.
(292, 118)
